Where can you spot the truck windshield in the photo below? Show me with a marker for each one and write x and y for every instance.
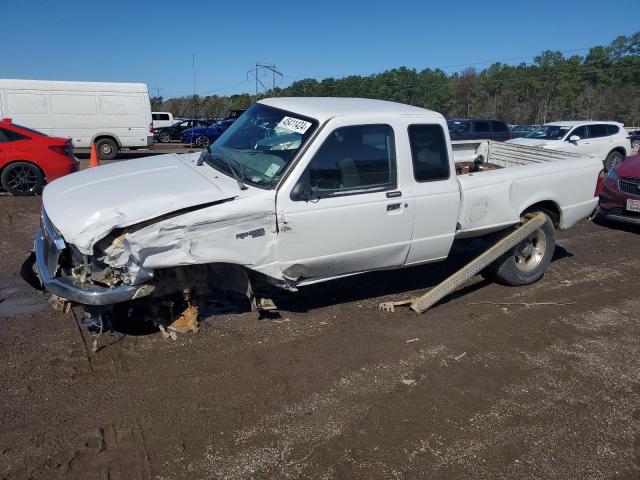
(548, 132)
(260, 144)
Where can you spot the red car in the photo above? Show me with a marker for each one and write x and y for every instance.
(29, 159)
(620, 194)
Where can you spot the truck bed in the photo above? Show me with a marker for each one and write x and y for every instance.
(494, 198)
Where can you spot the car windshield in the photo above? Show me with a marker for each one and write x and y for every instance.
(260, 144)
(549, 132)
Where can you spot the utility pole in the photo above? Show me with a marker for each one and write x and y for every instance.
(255, 72)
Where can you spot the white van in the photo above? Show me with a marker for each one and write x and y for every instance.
(111, 115)
(162, 119)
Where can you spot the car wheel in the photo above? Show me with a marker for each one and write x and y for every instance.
(635, 144)
(22, 178)
(107, 149)
(613, 159)
(164, 137)
(527, 261)
(202, 141)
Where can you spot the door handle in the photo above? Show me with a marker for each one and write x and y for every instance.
(394, 194)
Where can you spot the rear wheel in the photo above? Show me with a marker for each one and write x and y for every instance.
(635, 144)
(22, 178)
(527, 261)
(613, 160)
(164, 137)
(107, 149)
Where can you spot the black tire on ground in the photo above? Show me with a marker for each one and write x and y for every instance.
(107, 149)
(526, 262)
(635, 144)
(613, 159)
(164, 137)
(202, 141)
(22, 178)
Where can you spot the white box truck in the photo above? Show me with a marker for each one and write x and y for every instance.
(111, 115)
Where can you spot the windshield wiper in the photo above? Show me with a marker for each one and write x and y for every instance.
(206, 155)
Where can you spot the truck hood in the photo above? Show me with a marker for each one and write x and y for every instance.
(532, 142)
(87, 205)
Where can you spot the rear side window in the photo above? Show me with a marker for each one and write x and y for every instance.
(160, 116)
(500, 127)
(612, 129)
(429, 153)
(598, 130)
(481, 126)
(353, 160)
(11, 136)
(457, 127)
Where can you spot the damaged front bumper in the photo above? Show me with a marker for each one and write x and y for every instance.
(48, 248)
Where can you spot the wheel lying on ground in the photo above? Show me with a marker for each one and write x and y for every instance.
(527, 261)
(107, 149)
(613, 159)
(22, 178)
(202, 141)
(164, 137)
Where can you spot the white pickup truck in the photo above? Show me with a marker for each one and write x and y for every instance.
(298, 191)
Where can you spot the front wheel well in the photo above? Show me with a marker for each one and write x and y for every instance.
(107, 137)
(549, 207)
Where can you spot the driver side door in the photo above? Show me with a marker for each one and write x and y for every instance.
(341, 210)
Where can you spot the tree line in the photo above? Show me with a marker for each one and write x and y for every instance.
(604, 85)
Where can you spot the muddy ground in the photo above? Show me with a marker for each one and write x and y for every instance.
(540, 381)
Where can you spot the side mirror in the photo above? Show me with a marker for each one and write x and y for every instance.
(302, 191)
(574, 138)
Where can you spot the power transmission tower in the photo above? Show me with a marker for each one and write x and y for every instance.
(255, 72)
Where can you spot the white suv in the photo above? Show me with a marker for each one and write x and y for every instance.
(605, 140)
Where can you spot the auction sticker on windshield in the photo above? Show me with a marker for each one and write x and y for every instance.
(294, 125)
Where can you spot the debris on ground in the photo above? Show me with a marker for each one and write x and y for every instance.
(408, 381)
(187, 321)
(412, 340)
(460, 357)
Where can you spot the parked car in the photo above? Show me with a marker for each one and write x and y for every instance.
(518, 131)
(300, 191)
(110, 115)
(174, 132)
(478, 130)
(634, 137)
(162, 119)
(205, 136)
(620, 193)
(30, 159)
(607, 141)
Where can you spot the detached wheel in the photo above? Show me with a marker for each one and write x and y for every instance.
(613, 160)
(202, 141)
(107, 149)
(527, 261)
(164, 137)
(22, 178)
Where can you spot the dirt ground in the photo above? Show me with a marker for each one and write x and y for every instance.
(537, 382)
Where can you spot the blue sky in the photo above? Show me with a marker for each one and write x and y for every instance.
(153, 41)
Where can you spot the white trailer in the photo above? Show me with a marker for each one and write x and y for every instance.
(111, 115)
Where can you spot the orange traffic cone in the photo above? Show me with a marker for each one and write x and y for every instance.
(94, 161)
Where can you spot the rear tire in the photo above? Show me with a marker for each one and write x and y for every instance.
(635, 144)
(164, 137)
(202, 141)
(22, 179)
(107, 149)
(527, 261)
(613, 160)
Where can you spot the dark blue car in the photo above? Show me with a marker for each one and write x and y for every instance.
(204, 136)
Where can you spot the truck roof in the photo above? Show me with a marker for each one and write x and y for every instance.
(55, 85)
(323, 108)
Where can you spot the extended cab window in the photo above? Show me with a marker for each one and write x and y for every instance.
(429, 153)
(353, 160)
